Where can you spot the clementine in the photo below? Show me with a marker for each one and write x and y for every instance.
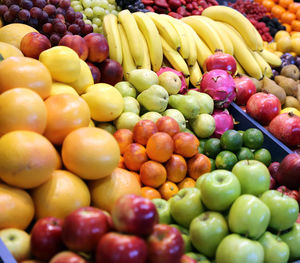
(186, 144)
(124, 137)
(153, 174)
(134, 156)
(168, 189)
(187, 182)
(198, 165)
(176, 168)
(143, 130)
(150, 192)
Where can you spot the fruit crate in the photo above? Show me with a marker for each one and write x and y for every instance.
(277, 149)
(5, 256)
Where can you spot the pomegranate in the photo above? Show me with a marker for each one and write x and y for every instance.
(289, 171)
(224, 122)
(220, 86)
(263, 107)
(183, 88)
(245, 88)
(286, 128)
(111, 71)
(220, 60)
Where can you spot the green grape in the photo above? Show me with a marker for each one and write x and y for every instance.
(119, 8)
(112, 2)
(88, 12)
(95, 27)
(96, 3)
(87, 21)
(107, 12)
(111, 7)
(97, 21)
(104, 4)
(74, 3)
(78, 8)
(84, 16)
(115, 12)
(98, 11)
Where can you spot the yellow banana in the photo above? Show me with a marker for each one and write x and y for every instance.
(192, 59)
(151, 34)
(175, 58)
(111, 32)
(205, 31)
(184, 44)
(128, 62)
(242, 52)
(239, 68)
(132, 33)
(195, 75)
(147, 61)
(264, 66)
(271, 58)
(238, 21)
(166, 30)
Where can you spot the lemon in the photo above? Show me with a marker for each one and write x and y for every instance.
(284, 44)
(8, 50)
(290, 109)
(62, 62)
(61, 88)
(296, 45)
(280, 34)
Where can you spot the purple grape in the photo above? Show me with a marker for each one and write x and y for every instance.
(78, 15)
(36, 12)
(275, 72)
(79, 22)
(14, 9)
(50, 10)
(68, 33)
(48, 28)
(70, 16)
(285, 63)
(74, 28)
(33, 22)
(54, 2)
(297, 61)
(86, 29)
(8, 3)
(65, 4)
(59, 28)
(26, 4)
(39, 3)
(43, 18)
(24, 15)
(61, 11)
(3, 9)
(291, 60)
(8, 17)
(54, 39)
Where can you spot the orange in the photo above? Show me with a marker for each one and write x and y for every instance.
(298, 14)
(153, 174)
(296, 25)
(17, 209)
(268, 4)
(285, 3)
(27, 159)
(288, 18)
(60, 195)
(16, 72)
(134, 156)
(121, 163)
(288, 27)
(277, 11)
(294, 7)
(187, 182)
(160, 147)
(58, 161)
(91, 153)
(186, 144)
(176, 168)
(124, 137)
(22, 109)
(150, 192)
(106, 191)
(168, 189)
(198, 165)
(66, 113)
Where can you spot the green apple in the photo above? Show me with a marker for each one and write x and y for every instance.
(170, 81)
(200, 180)
(176, 115)
(186, 205)
(142, 79)
(127, 120)
(205, 101)
(126, 89)
(237, 249)
(207, 231)
(249, 216)
(151, 115)
(154, 98)
(186, 238)
(203, 125)
(292, 239)
(109, 127)
(198, 257)
(163, 210)
(219, 190)
(253, 175)
(275, 250)
(131, 105)
(284, 209)
(17, 242)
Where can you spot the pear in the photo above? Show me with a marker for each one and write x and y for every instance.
(127, 120)
(154, 98)
(142, 79)
(126, 89)
(151, 115)
(291, 102)
(131, 105)
(187, 104)
(170, 81)
(176, 115)
(270, 86)
(205, 101)
(109, 127)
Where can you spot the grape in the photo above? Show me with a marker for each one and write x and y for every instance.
(96, 3)
(8, 3)
(33, 22)
(39, 3)
(70, 16)
(113, 2)
(61, 11)
(98, 11)
(3, 9)
(24, 15)
(68, 33)
(65, 4)
(26, 4)
(54, 39)
(44, 17)
(50, 10)
(79, 22)
(104, 4)
(48, 28)
(36, 12)
(87, 29)
(78, 15)
(86, 3)
(59, 28)
(8, 17)
(14, 9)
(54, 2)
(114, 12)
(95, 27)
(88, 12)
(111, 7)
(78, 8)
(73, 3)
(87, 22)
(74, 28)
(97, 21)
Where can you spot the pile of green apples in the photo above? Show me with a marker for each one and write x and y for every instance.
(233, 217)
(149, 96)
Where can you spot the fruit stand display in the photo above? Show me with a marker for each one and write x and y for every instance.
(149, 131)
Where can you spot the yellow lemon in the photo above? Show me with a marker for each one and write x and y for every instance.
(290, 109)
(8, 50)
(296, 45)
(280, 34)
(284, 44)
(61, 88)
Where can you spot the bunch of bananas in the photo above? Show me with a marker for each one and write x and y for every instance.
(150, 40)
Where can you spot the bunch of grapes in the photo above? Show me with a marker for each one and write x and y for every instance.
(54, 18)
(93, 11)
(132, 5)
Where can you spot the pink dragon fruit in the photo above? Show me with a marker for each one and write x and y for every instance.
(224, 122)
(220, 86)
(183, 89)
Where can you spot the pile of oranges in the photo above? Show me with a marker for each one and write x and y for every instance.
(163, 159)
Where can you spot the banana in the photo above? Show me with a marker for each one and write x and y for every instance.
(205, 31)
(151, 34)
(239, 69)
(147, 61)
(271, 58)
(264, 66)
(228, 46)
(184, 41)
(132, 33)
(111, 32)
(238, 21)
(175, 58)
(192, 59)
(166, 30)
(242, 52)
(128, 62)
(195, 75)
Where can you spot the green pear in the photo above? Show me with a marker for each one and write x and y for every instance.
(154, 98)
(205, 101)
(131, 105)
(142, 79)
(126, 89)
(107, 126)
(203, 125)
(176, 115)
(127, 120)
(151, 115)
(170, 81)
(187, 104)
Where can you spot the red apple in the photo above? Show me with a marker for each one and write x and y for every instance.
(291, 193)
(245, 88)
(83, 228)
(67, 257)
(263, 107)
(134, 215)
(111, 71)
(165, 245)
(98, 47)
(187, 259)
(109, 220)
(95, 72)
(121, 248)
(77, 43)
(46, 238)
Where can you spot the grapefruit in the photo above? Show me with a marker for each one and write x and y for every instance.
(62, 88)
(8, 50)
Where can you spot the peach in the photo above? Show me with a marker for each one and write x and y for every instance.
(143, 130)
(77, 43)
(168, 125)
(33, 44)
(98, 47)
